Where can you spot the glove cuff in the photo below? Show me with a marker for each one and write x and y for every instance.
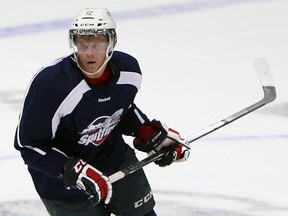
(150, 135)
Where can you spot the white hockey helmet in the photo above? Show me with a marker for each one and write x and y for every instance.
(93, 21)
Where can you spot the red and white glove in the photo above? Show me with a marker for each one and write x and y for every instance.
(155, 136)
(80, 175)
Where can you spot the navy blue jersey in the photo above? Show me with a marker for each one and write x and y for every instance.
(64, 116)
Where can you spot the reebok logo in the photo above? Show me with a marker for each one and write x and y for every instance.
(104, 99)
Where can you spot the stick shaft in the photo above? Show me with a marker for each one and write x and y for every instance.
(269, 95)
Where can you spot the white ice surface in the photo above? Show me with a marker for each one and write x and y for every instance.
(197, 62)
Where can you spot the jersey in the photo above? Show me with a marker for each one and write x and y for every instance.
(64, 116)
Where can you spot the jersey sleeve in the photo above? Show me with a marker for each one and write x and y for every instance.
(34, 133)
(132, 120)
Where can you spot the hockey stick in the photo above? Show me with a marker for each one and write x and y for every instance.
(265, 76)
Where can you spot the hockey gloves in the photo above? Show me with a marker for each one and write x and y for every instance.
(155, 136)
(80, 175)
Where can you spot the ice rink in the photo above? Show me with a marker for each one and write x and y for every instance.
(197, 62)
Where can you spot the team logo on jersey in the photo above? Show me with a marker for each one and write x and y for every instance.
(100, 129)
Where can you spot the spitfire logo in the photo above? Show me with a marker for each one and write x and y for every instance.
(99, 129)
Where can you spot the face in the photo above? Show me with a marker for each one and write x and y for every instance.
(91, 52)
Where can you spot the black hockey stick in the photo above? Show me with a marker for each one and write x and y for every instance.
(266, 79)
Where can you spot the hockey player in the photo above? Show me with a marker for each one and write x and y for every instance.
(74, 115)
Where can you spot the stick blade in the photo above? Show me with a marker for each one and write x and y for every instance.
(265, 76)
(264, 72)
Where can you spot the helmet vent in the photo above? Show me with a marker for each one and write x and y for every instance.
(101, 24)
(88, 18)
